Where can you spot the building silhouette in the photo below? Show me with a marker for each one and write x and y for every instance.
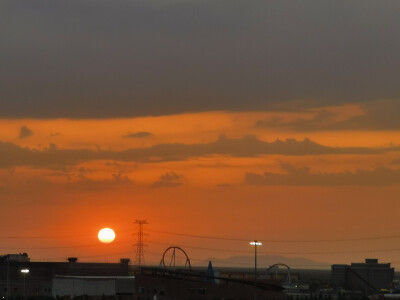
(369, 278)
(72, 279)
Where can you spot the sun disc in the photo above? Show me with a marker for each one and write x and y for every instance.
(106, 235)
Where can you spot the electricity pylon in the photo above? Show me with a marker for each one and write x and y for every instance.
(139, 259)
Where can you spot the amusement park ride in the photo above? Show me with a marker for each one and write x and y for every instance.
(170, 257)
(175, 257)
(275, 267)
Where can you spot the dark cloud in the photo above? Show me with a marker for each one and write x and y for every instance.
(378, 115)
(169, 179)
(248, 146)
(140, 134)
(304, 177)
(323, 120)
(101, 58)
(119, 177)
(36, 184)
(25, 132)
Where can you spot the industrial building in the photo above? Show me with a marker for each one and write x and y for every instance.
(160, 283)
(21, 277)
(38, 278)
(95, 286)
(369, 278)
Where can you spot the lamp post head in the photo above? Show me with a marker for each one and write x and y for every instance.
(256, 243)
(25, 271)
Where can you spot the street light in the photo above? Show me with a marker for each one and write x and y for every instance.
(24, 273)
(255, 244)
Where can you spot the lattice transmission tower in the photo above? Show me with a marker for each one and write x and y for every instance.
(139, 259)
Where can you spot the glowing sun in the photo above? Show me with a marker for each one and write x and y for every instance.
(106, 235)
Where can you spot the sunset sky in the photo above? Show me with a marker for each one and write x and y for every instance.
(218, 122)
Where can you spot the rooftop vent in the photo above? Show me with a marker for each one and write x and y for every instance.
(371, 261)
(125, 261)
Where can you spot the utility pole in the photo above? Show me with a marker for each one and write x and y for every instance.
(8, 277)
(24, 273)
(255, 244)
(139, 259)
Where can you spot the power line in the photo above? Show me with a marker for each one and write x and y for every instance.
(89, 256)
(335, 252)
(101, 255)
(205, 261)
(57, 247)
(229, 263)
(287, 253)
(140, 252)
(208, 249)
(16, 237)
(200, 236)
(276, 241)
(230, 250)
(52, 247)
(266, 240)
(44, 237)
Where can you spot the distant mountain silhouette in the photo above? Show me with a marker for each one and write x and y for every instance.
(264, 261)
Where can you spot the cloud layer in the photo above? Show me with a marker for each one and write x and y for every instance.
(304, 177)
(12, 155)
(377, 115)
(100, 58)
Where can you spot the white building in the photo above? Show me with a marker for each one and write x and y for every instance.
(74, 286)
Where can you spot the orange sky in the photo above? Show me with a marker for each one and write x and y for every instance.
(85, 181)
(206, 119)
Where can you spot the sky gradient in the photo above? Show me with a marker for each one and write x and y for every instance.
(232, 120)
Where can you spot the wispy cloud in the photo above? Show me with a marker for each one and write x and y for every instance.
(55, 134)
(304, 177)
(168, 180)
(140, 134)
